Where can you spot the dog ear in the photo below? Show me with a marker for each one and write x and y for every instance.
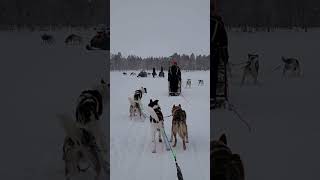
(150, 100)
(156, 101)
(174, 106)
(223, 138)
(179, 105)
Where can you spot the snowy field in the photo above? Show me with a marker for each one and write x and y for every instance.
(130, 144)
(283, 112)
(38, 81)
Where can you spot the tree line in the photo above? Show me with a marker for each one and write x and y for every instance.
(54, 12)
(270, 13)
(184, 61)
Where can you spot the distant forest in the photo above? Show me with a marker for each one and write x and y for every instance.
(23, 13)
(185, 62)
(270, 13)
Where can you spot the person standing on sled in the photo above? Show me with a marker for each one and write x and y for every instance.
(174, 78)
(219, 53)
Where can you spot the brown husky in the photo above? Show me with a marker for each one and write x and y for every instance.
(179, 125)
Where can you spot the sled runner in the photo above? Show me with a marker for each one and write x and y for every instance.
(175, 93)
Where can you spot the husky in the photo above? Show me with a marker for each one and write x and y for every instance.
(251, 68)
(90, 104)
(179, 125)
(80, 156)
(200, 82)
(188, 84)
(89, 109)
(291, 65)
(156, 122)
(226, 165)
(47, 39)
(73, 39)
(135, 102)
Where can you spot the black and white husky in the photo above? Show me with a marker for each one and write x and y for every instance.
(188, 84)
(89, 109)
(200, 82)
(135, 102)
(156, 120)
(292, 66)
(251, 68)
(90, 104)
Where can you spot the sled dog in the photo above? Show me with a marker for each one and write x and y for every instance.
(80, 156)
(179, 125)
(251, 68)
(90, 104)
(156, 122)
(135, 102)
(73, 39)
(200, 82)
(188, 84)
(291, 65)
(47, 39)
(226, 165)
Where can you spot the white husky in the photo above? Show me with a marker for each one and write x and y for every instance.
(251, 68)
(135, 102)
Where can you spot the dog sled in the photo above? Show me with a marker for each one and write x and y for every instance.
(174, 78)
(172, 91)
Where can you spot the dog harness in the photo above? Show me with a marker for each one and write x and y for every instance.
(157, 110)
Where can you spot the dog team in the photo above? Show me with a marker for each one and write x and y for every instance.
(291, 66)
(188, 83)
(86, 150)
(179, 119)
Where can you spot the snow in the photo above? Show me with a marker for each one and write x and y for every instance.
(282, 111)
(130, 144)
(38, 82)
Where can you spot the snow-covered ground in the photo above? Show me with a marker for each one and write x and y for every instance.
(130, 144)
(37, 82)
(283, 112)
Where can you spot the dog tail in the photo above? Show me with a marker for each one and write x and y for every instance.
(131, 100)
(70, 128)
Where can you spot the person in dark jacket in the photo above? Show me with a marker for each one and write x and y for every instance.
(174, 77)
(218, 50)
(161, 73)
(154, 72)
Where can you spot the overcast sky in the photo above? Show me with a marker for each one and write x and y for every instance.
(160, 27)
